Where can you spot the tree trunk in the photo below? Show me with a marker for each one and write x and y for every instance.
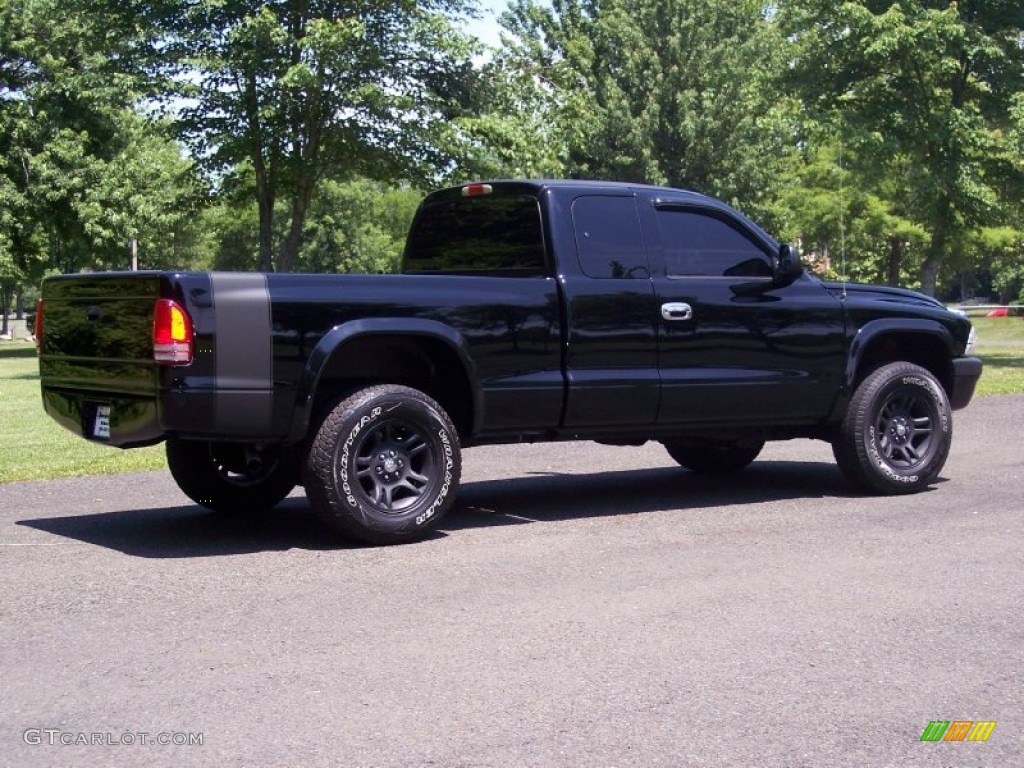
(936, 252)
(264, 183)
(265, 202)
(300, 207)
(308, 158)
(895, 261)
(5, 308)
(930, 274)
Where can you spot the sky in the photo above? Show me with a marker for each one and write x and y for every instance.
(486, 27)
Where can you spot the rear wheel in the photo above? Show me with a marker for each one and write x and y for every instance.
(232, 477)
(384, 466)
(897, 431)
(703, 455)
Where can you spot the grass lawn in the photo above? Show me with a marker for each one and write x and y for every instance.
(1004, 371)
(999, 329)
(32, 446)
(1001, 347)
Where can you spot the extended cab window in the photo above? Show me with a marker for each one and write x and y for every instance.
(699, 243)
(608, 237)
(493, 233)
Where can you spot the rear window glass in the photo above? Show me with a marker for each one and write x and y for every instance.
(493, 233)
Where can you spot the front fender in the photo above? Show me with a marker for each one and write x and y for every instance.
(902, 327)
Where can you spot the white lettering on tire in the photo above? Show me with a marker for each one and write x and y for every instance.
(346, 451)
(446, 485)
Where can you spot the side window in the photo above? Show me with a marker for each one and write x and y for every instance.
(696, 243)
(608, 238)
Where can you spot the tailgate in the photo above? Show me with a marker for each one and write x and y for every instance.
(98, 333)
(96, 365)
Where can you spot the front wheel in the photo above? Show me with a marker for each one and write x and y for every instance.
(232, 477)
(897, 431)
(384, 465)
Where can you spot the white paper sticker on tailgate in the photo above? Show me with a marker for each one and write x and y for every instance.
(101, 426)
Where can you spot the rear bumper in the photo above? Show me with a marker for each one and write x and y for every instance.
(127, 422)
(966, 372)
(130, 421)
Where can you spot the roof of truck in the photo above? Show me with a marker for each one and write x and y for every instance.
(667, 195)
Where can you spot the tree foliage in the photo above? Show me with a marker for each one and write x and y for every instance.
(300, 90)
(82, 171)
(661, 91)
(927, 88)
(353, 226)
(504, 124)
(887, 137)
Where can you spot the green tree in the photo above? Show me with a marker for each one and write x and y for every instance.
(299, 90)
(54, 111)
(676, 92)
(505, 123)
(1002, 261)
(233, 230)
(930, 86)
(352, 226)
(358, 226)
(850, 219)
(145, 193)
(82, 173)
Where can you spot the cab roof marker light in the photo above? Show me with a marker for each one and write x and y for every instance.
(172, 333)
(477, 190)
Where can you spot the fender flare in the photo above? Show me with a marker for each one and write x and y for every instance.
(871, 330)
(337, 337)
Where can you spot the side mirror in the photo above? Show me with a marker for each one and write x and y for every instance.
(788, 266)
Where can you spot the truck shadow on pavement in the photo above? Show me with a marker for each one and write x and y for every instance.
(550, 497)
(189, 531)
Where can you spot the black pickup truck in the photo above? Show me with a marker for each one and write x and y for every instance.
(526, 311)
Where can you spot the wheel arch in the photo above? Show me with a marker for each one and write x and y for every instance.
(926, 343)
(423, 354)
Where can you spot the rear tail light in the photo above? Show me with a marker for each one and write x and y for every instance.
(172, 334)
(37, 330)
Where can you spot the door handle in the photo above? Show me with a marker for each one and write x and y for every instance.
(677, 310)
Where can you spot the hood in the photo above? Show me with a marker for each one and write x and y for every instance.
(858, 291)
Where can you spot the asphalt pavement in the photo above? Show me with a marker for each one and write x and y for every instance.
(582, 606)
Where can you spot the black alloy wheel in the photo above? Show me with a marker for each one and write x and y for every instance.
(233, 478)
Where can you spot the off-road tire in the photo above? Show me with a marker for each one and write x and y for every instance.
(226, 477)
(384, 465)
(897, 431)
